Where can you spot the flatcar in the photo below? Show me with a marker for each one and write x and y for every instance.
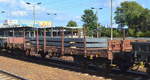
(69, 43)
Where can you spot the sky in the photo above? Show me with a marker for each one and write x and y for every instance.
(66, 10)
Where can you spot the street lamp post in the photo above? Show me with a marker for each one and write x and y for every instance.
(33, 5)
(111, 23)
(34, 22)
(2, 12)
(52, 23)
(97, 19)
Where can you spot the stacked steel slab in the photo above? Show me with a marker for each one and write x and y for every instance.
(74, 42)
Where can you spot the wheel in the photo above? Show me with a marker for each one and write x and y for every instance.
(148, 71)
(49, 53)
(148, 68)
(81, 62)
(84, 65)
(11, 51)
(27, 53)
(42, 53)
(103, 66)
(125, 61)
(123, 67)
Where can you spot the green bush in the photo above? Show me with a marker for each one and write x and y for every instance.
(140, 34)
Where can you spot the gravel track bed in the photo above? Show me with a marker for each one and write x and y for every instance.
(35, 71)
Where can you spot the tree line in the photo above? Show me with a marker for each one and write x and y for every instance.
(135, 16)
(129, 13)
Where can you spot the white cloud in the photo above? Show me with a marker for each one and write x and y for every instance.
(18, 13)
(77, 18)
(19, 7)
(10, 2)
(22, 4)
(61, 18)
(5, 1)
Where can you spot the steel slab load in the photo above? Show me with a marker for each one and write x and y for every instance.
(74, 42)
(2, 41)
(73, 39)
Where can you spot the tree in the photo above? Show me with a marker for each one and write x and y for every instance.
(72, 24)
(128, 14)
(131, 32)
(133, 15)
(90, 21)
(105, 32)
(144, 20)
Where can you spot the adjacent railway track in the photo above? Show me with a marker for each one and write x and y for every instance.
(4, 75)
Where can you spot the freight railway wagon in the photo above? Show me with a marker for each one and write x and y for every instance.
(68, 44)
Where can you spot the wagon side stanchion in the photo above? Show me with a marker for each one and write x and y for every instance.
(24, 40)
(83, 63)
(71, 33)
(8, 45)
(37, 40)
(13, 33)
(52, 32)
(44, 40)
(12, 43)
(84, 36)
(26, 46)
(110, 53)
(62, 41)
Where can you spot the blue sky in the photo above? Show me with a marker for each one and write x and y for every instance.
(66, 10)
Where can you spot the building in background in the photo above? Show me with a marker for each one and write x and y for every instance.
(37, 23)
(11, 22)
(22, 23)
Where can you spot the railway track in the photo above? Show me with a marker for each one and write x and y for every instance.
(9, 76)
(75, 67)
(92, 70)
